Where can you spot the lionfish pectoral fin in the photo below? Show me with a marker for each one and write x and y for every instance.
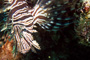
(45, 13)
(25, 40)
(33, 49)
(36, 45)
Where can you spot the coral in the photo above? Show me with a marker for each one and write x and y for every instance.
(6, 52)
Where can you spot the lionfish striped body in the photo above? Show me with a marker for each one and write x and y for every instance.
(20, 21)
(49, 14)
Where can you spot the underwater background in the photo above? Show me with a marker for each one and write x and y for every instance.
(69, 43)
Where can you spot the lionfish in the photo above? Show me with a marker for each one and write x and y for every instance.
(51, 15)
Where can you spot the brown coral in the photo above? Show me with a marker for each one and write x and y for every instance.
(6, 52)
